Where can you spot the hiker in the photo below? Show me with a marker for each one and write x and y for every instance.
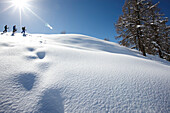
(14, 30)
(6, 27)
(23, 31)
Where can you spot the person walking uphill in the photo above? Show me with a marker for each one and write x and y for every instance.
(6, 28)
(23, 31)
(14, 30)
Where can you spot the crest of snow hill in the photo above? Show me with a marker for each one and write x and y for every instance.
(143, 27)
(78, 74)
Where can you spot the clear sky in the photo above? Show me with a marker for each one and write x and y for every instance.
(90, 17)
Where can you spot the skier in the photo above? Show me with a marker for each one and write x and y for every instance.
(14, 30)
(6, 27)
(23, 31)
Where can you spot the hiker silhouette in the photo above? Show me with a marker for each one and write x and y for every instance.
(14, 30)
(23, 31)
(6, 28)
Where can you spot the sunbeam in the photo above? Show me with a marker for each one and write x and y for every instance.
(46, 24)
(7, 8)
(20, 14)
(21, 5)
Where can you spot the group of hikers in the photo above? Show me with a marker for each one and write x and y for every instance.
(14, 30)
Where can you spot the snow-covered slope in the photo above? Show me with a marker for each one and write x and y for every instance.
(76, 73)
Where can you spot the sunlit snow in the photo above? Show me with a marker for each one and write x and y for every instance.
(79, 74)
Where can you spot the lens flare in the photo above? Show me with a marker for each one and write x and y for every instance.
(38, 17)
(48, 25)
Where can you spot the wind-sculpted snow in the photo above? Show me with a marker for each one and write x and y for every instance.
(76, 73)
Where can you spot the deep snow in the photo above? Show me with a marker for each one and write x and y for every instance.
(75, 73)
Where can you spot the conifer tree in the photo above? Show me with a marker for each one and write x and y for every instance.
(131, 24)
(156, 27)
(144, 28)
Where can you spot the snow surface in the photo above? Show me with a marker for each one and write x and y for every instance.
(75, 73)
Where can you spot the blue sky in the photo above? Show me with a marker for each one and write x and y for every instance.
(90, 17)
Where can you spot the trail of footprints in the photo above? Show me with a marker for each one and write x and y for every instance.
(27, 80)
(51, 99)
(39, 54)
(35, 55)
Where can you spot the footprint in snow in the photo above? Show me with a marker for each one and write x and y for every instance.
(27, 80)
(41, 54)
(31, 49)
(31, 57)
(51, 102)
(6, 45)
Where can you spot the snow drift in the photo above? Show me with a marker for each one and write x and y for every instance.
(77, 73)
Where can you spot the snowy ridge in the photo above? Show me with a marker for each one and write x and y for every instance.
(76, 73)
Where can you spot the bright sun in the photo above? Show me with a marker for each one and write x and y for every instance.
(20, 3)
(21, 6)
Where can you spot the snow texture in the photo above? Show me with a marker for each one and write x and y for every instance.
(75, 73)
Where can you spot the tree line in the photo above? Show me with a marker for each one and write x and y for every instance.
(143, 27)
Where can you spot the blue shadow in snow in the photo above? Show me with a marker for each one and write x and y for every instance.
(101, 45)
(41, 55)
(27, 80)
(107, 47)
(51, 102)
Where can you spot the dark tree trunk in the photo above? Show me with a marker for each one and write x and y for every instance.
(139, 33)
(160, 54)
(143, 50)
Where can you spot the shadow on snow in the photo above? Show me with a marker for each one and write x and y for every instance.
(51, 102)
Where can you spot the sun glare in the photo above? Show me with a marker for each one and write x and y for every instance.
(20, 3)
(21, 6)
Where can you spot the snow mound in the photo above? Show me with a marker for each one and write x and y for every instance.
(78, 73)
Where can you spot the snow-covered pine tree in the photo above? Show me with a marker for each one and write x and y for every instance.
(142, 27)
(156, 27)
(167, 48)
(130, 25)
(126, 26)
(156, 32)
(166, 42)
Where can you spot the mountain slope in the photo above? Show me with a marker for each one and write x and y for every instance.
(77, 73)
